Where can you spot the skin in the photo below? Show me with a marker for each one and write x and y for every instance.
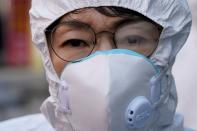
(100, 24)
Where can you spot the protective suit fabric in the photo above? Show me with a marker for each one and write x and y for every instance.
(173, 15)
(35, 122)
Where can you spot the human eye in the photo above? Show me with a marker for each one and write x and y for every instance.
(74, 43)
(134, 40)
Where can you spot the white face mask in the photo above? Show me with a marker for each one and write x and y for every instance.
(111, 91)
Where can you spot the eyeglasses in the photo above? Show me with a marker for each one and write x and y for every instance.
(74, 40)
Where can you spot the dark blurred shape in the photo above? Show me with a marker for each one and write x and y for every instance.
(2, 42)
(15, 36)
(17, 47)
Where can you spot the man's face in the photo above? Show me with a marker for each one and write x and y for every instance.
(88, 31)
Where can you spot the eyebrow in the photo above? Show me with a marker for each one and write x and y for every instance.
(82, 25)
(130, 20)
(76, 24)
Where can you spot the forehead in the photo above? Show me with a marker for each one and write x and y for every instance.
(93, 18)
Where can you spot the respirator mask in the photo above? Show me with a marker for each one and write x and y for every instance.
(113, 90)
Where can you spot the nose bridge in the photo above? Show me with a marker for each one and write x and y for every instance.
(105, 41)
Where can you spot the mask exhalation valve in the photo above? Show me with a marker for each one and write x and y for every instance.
(138, 112)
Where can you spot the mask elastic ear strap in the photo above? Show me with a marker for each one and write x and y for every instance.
(63, 105)
(157, 94)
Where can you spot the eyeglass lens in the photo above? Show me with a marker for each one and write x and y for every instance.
(72, 41)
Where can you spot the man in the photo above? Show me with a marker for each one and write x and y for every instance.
(108, 63)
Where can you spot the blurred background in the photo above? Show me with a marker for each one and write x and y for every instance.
(22, 81)
(185, 73)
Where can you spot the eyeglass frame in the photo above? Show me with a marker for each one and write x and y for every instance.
(50, 30)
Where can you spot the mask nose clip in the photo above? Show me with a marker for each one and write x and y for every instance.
(138, 112)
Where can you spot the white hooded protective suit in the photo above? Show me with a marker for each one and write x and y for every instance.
(175, 18)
